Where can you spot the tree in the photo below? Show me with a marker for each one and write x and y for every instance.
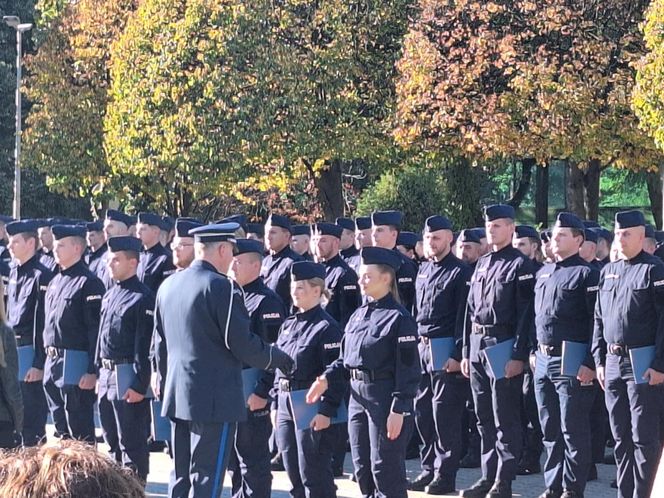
(544, 80)
(215, 98)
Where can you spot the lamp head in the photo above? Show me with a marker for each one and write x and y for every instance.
(11, 21)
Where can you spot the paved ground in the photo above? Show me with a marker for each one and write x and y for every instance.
(526, 487)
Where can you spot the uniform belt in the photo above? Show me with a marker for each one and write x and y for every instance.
(52, 352)
(424, 339)
(23, 340)
(547, 350)
(618, 349)
(287, 385)
(491, 330)
(368, 375)
(109, 364)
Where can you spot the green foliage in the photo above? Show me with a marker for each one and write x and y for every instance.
(427, 187)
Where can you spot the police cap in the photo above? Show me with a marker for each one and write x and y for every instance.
(218, 232)
(115, 215)
(498, 211)
(629, 219)
(380, 256)
(248, 245)
(277, 220)
(434, 223)
(325, 228)
(183, 225)
(124, 243)
(23, 226)
(363, 223)
(62, 231)
(305, 270)
(346, 223)
(393, 218)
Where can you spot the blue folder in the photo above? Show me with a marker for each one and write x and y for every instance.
(26, 355)
(573, 355)
(160, 428)
(250, 377)
(303, 412)
(441, 350)
(641, 359)
(497, 357)
(75, 366)
(124, 378)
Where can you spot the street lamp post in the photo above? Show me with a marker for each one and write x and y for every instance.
(15, 22)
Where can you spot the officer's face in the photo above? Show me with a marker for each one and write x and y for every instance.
(121, 266)
(114, 228)
(419, 249)
(304, 295)
(46, 237)
(499, 232)
(300, 243)
(630, 240)
(148, 234)
(327, 247)
(95, 239)
(524, 245)
(470, 252)
(602, 248)
(255, 236)
(21, 248)
(183, 251)
(384, 236)
(363, 238)
(347, 239)
(67, 251)
(436, 243)
(373, 282)
(563, 243)
(245, 268)
(276, 238)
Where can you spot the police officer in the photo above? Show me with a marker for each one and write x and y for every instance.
(250, 460)
(96, 245)
(630, 314)
(442, 290)
(125, 331)
(301, 241)
(156, 263)
(650, 242)
(362, 240)
(588, 249)
(347, 247)
(385, 227)
(340, 279)
(167, 232)
(406, 242)
(500, 307)
(73, 302)
(28, 281)
(379, 354)
(46, 256)
(527, 240)
(312, 338)
(469, 246)
(565, 294)
(256, 231)
(183, 243)
(276, 266)
(604, 241)
(116, 224)
(204, 339)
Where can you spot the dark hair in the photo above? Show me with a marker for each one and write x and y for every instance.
(576, 232)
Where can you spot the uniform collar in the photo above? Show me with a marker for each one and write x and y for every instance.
(636, 259)
(101, 250)
(129, 282)
(307, 315)
(573, 260)
(349, 252)
(445, 260)
(253, 285)
(73, 268)
(334, 261)
(383, 302)
(200, 263)
(155, 249)
(29, 263)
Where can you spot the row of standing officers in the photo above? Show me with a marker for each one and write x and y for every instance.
(371, 352)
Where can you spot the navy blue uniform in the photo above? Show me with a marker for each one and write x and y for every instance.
(250, 462)
(155, 265)
(275, 271)
(629, 314)
(379, 354)
(47, 259)
(97, 258)
(312, 338)
(406, 276)
(500, 307)
(203, 339)
(125, 331)
(26, 293)
(73, 303)
(564, 307)
(341, 281)
(351, 256)
(442, 291)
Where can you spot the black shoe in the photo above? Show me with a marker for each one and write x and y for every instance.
(500, 489)
(551, 493)
(412, 452)
(440, 486)
(353, 477)
(156, 446)
(528, 467)
(421, 481)
(477, 490)
(592, 473)
(338, 472)
(277, 464)
(614, 484)
(571, 494)
(470, 461)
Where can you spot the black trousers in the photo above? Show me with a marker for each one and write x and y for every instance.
(249, 464)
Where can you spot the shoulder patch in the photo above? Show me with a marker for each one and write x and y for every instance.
(169, 272)
(658, 283)
(527, 276)
(43, 287)
(268, 316)
(405, 280)
(350, 287)
(94, 297)
(332, 345)
(407, 338)
(594, 288)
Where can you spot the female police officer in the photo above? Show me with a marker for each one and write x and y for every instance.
(379, 354)
(312, 338)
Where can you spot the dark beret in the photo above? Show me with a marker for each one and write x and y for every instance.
(434, 223)
(183, 225)
(325, 228)
(569, 220)
(62, 231)
(498, 211)
(248, 245)
(94, 226)
(300, 230)
(115, 215)
(257, 228)
(150, 219)
(629, 219)
(124, 243)
(218, 232)
(590, 235)
(380, 256)
(277, 220)
(393, 218)
(522, 231)
(591, 224)
(305, 270)
(363, 222)
(469, 235)
(23, 226)
(407, 239)
(650, 231)
(346, 223)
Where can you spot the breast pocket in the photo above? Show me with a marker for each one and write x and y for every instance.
(375, 346)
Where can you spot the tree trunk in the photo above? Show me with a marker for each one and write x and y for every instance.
(527, 165)
(591, 189)
(542, 196)
(575, 189)
(330, 190)
(654, 181)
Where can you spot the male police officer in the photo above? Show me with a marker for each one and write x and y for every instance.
(347, 247)
(183, 243)
(385, 227)
(256, 231)
(362, 240)
(125, 331)
(629, 314)
(301, 241)
(442, 290)
(250, 462)
(116, 224)
(73, 302)
(28, 281)
(276, 266)
(204, 329)
(46, 240)
(500, 307)
(565, 294)
(340, 279)
(97, 245)
(156, 263)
